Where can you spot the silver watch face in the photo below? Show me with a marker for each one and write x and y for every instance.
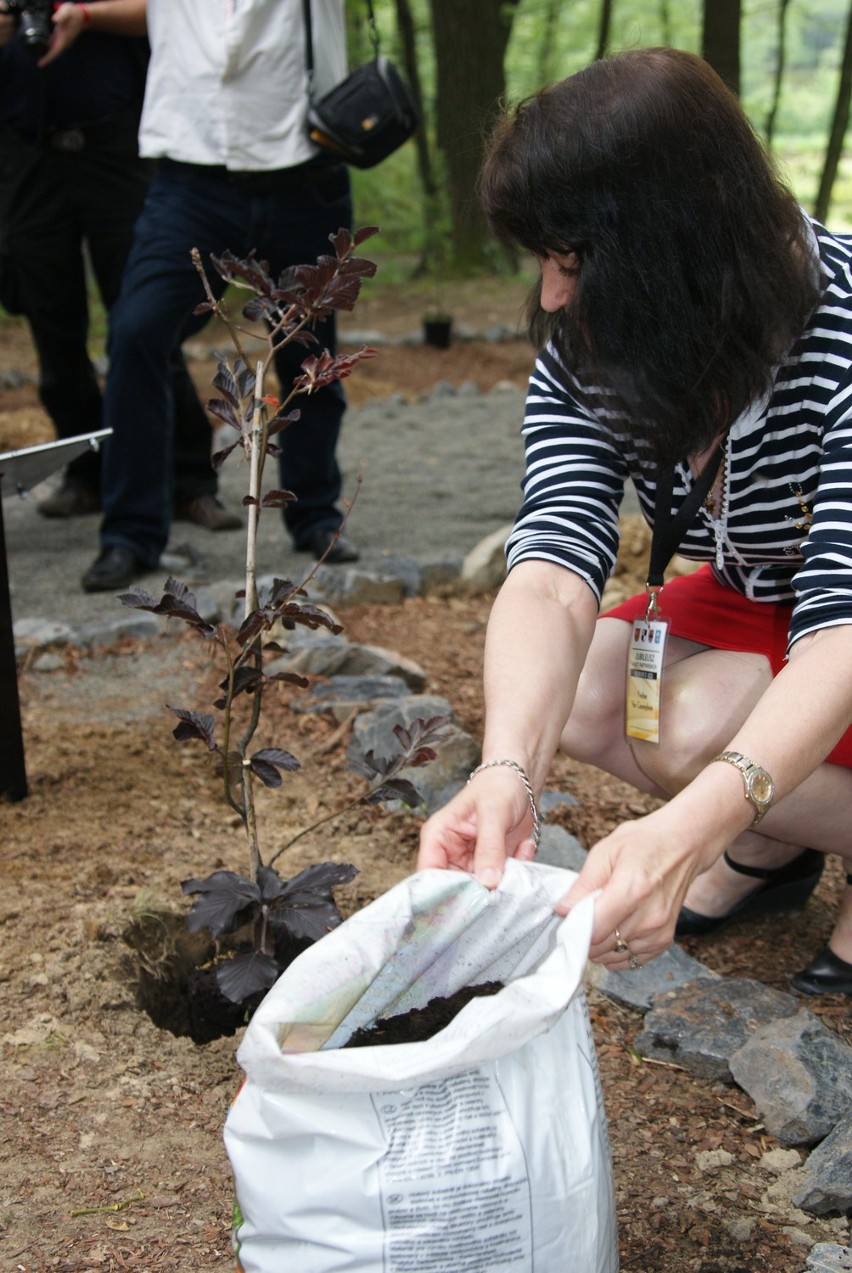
(761, 787)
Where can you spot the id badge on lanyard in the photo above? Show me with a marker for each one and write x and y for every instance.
(645, 659)
(648, 636)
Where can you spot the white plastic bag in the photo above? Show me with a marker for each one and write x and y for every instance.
(481, 1150)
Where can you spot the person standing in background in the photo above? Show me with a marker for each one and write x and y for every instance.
(224, 117)
(71, 184)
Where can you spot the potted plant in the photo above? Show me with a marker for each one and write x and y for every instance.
(437, 320)
(252, 925)
(437, 329)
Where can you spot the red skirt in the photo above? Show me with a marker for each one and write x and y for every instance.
(699, 608)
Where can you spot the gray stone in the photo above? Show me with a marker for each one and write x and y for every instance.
(328, 655)
(442, 777)
(484, 567)
(183, 561)
(551, 800)
(825, 1181)
(439, 572)
(341, 694)
(828, 1257)
(559, 848)
(439, 781)
(31, 633)
(208, 604)
(463, 331)
(405, 569)
(498, 333)
(47, 662)
(366, 336)
(229, 607)
(129, 623)
(374, 730)
(468, 389)
(442, 389)
(799, 1075)
(312, 654)
(638, 987)
(701, 1024)
(356, 586)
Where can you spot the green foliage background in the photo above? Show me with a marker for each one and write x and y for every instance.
(551, 40)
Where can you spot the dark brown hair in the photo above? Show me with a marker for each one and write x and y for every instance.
(695, 272)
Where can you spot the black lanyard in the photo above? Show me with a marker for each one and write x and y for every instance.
(669, 528)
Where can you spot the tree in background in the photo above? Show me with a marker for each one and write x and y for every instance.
(425, 167)
(547, 40)
(470, 41)
(604, 25)
(839, 124)
(778, 77)
(463, 57)
(720, 43)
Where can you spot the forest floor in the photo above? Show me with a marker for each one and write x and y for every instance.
(111, 1147)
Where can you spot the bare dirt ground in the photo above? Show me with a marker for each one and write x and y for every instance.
(111, 1136)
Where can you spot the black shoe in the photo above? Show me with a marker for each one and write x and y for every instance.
(828, 974)
(207, 511)
(114, 568)
(784, 888)
(71, 499)
(330, 546)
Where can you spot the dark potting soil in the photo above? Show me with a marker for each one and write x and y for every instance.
(420, 1023)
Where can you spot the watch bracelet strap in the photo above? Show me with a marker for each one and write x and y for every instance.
(743, 763)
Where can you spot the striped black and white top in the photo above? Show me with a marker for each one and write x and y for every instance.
(786, 533)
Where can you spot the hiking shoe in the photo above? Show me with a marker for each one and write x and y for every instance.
(207, 511)
(71, 499)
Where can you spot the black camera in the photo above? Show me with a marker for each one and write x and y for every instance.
(35, 25)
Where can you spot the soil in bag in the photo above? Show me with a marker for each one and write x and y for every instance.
(420, 1023)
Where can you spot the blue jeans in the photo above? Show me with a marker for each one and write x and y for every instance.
(191, 206)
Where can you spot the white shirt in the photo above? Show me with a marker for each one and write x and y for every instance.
(227, 81)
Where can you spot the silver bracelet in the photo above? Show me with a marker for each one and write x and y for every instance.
(522, 774)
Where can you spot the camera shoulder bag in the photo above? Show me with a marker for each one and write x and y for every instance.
(365, 117)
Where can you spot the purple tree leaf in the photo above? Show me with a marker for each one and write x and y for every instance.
(246, 974)
(223, 903)
(194, 725)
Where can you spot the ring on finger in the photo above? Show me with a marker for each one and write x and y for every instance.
(635, 961)
(620, 944)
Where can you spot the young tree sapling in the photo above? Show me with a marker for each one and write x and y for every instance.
(281, 916)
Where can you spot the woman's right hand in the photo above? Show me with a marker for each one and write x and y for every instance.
(483, 825)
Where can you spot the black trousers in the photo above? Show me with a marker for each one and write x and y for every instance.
(69, 201)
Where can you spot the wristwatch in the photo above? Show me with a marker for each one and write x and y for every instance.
(759, 787)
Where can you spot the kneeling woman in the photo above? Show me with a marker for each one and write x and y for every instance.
(696, 328)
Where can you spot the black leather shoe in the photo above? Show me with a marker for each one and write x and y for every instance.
(330, 546)
(114, 568)
(784, 888)
(207, 511)
(828, 974)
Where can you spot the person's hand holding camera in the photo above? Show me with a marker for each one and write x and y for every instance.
(69, 21)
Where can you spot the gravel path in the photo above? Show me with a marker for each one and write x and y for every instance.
(436, 476)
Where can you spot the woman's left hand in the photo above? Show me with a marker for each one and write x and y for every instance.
(642, 870)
